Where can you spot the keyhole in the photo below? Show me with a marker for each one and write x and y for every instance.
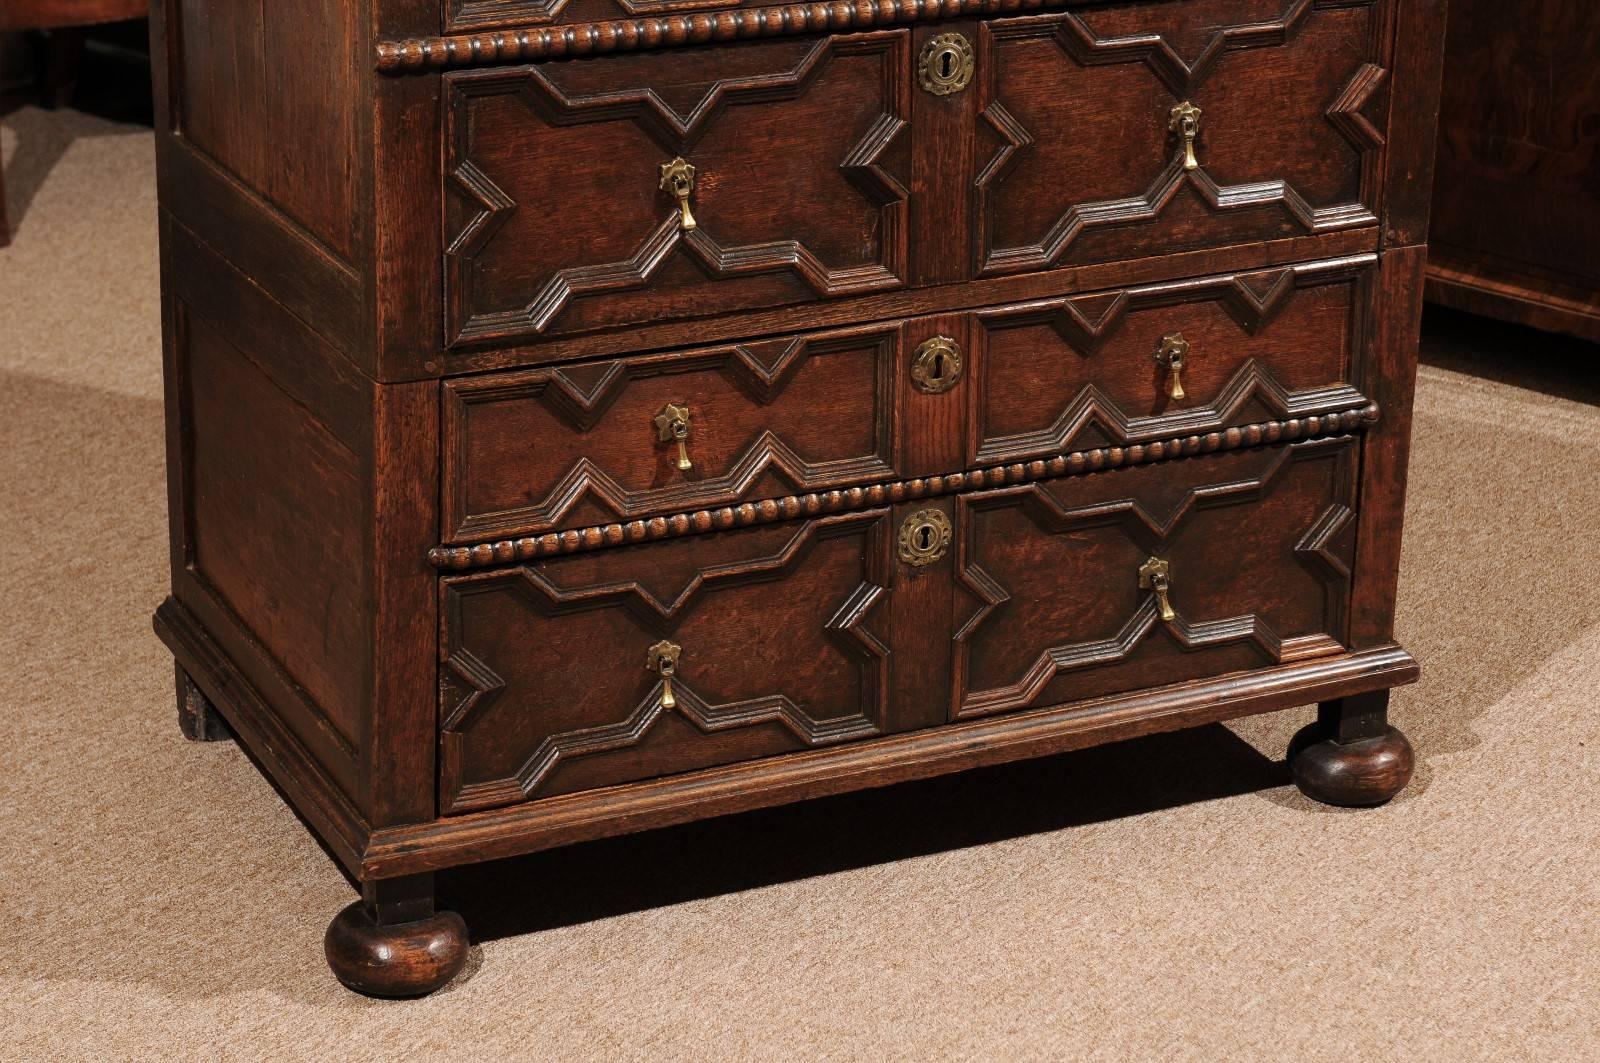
(938, 367)
(947, 63)
(925, 537)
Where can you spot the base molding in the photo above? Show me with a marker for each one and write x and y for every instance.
(1505, 296)
(557, 821)
(257, 727)
(494, 834)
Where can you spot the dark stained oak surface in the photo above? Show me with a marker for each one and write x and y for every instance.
(936, 496)
(1516, 211)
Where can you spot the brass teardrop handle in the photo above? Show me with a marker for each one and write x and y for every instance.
(1156, 575)
(1173, 355)
(662, 659)
(1185, 122)
(672, 426)
(677, 178)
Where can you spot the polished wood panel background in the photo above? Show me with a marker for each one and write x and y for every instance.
(1516, 216)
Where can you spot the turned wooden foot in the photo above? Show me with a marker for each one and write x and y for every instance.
(393, 943)
(1351, 756)
(197, 717)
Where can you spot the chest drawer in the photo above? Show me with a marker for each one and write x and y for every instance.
(552, 674)
(1252, 550)
(1131, 130)
(632, 438)
(585, 670)
(1151, 362)
(677, 183)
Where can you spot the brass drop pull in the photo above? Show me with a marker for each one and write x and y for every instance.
(677, 178)
(1186, 123)
(1171, 355)
(662, 659)
(672, 426)
(1156, 575)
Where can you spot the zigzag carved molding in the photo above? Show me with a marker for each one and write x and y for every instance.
(790, 507)
(1087, 322)
(581, 395)
(1252, 299)
(539, 591)
(1183, 78)
(1091, 407)
(845, 628)
(581, 403)
(677, 135)
(1150, 532)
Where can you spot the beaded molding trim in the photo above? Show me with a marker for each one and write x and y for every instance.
(629, 35)
(789, 507)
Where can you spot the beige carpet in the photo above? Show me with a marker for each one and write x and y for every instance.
(1172, 898)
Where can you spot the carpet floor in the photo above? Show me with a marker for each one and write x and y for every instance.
(1167, 898)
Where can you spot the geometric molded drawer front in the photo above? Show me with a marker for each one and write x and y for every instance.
(544, 686)
(1082, 154)
(556, 215)
(1097, 369)
(578, 445)
(1257, 546)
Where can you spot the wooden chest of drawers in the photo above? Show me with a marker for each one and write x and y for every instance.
(590, 415)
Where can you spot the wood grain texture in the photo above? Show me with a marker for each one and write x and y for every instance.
(1385, 457)
(1417, 50)
(1516, 205)
(825, 217)
(1082, 165)
(407, 959)
(49, 14)
(909, 302)
(1350, 756)
(420, 321)
(547, 448)
(790, 507)
(544, 688)
(1259, 546)
(517, 829)
(249, 87)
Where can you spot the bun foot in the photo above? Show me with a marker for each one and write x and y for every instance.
(198, 718)
(397, 960)
(1356, 773)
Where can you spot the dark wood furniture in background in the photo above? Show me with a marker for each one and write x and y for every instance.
(65, 18)
(1516, 216)
(763, 402)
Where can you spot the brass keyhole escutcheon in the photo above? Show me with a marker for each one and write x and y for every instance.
(936, 365)
(946, 63)
(924, 537)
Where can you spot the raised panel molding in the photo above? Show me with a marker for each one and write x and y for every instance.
(580, 397)
(1087, 322)
(1150, 532)
(491, 205)
(468, 685)
(1183, 78)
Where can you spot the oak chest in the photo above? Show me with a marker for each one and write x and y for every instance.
(590, 415)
